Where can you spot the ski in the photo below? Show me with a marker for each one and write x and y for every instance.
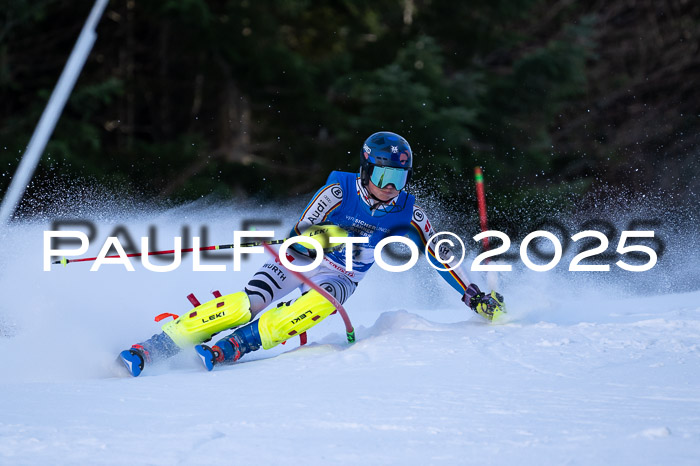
(133, 361)
(207, 356)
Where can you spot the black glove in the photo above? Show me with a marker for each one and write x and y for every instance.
(489, 306)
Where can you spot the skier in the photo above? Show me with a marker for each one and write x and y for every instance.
(373, 204)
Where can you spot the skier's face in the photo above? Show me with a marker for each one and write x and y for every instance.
(384, 194)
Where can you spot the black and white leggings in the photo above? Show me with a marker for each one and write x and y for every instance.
(273, 282)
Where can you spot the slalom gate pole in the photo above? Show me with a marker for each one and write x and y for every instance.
(65, 261)
(349, 330)
(491, 276)
(481, 199)
(51, 113)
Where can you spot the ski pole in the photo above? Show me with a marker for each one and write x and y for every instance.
(65, 261)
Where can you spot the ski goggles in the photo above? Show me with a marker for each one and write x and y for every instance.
(384, 176)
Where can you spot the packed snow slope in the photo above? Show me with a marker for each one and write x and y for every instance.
(585, 369)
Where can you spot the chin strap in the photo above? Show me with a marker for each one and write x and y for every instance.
(375, 203)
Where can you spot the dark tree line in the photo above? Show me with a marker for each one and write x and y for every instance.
(182, 98)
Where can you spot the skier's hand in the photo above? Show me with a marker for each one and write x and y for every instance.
(323, 232)
(489, 306)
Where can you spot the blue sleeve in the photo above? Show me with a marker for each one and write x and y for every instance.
(420, 233)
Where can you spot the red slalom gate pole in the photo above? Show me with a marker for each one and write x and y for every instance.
(349, 330)
(481, 199)
(491, 276)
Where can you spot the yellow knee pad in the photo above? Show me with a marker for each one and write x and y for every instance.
(279, 324)
(212, 317)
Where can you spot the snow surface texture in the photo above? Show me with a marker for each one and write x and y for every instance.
(581, 372)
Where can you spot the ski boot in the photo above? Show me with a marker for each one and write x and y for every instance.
(274, 327)
(230, 349)
(158, 347)
(219, 314)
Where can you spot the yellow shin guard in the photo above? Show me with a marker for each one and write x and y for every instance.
(286, 320)
(212, 317)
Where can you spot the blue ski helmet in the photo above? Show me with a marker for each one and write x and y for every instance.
(386, 159)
